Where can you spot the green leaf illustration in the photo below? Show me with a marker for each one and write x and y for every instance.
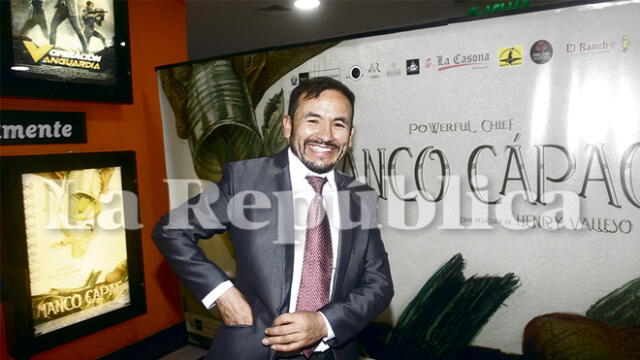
(174, 83)
(214, 105)
(221, 122)
(447, 313)
(620, 308)
(274, 139)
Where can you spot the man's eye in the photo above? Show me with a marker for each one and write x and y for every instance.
(339, 124)
(312, 120)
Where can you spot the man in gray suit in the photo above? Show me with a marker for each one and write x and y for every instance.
(312, 270)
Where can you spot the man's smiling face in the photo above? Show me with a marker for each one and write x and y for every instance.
(321, 130)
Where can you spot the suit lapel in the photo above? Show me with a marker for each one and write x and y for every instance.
(347, 203)
(286, 238)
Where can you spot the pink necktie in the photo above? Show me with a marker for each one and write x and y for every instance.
(318, 257)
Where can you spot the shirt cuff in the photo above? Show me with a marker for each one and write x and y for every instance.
(330, 334)
(209, 301)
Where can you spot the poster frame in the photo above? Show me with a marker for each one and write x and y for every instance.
(16, 291)
(41, 87)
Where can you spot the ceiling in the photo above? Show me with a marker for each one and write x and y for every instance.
(225, 27)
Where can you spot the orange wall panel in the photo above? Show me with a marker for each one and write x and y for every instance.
(157, 37)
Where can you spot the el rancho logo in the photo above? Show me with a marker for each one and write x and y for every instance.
(591, 47)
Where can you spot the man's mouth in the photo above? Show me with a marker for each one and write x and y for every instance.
(320, 147)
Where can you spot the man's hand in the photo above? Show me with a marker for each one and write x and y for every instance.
(234, 309)
(295, 331)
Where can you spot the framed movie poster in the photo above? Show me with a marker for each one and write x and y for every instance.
(71, 251)
(66, 49)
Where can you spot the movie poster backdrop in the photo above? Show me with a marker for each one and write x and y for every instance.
(508, 140)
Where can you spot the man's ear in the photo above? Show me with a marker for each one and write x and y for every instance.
(287, 124)
(351, 135)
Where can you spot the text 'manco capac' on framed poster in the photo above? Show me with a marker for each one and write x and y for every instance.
(71, 251)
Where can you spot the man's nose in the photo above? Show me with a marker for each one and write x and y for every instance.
(325, 132)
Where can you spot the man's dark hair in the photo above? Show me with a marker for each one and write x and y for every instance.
(313, 87)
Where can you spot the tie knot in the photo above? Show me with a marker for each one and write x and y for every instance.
(317, 183)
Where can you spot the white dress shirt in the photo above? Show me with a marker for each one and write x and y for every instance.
(303, 193)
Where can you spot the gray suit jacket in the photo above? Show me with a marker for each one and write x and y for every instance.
(362, 286)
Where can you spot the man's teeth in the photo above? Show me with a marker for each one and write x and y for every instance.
(320, 148)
